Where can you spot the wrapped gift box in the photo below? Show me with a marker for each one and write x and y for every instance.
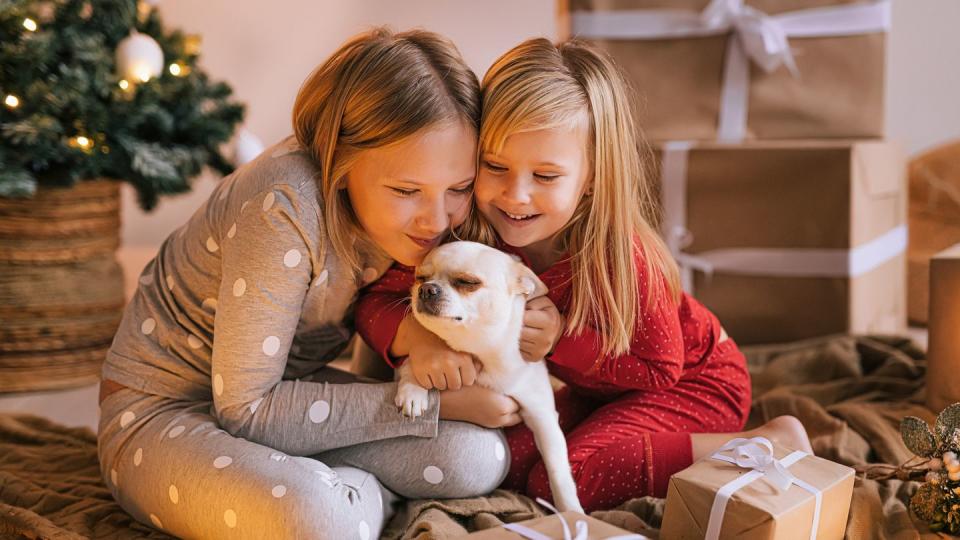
(550, 527)
(792, 239)
(934, 215)
(685, 64)
(758, 510)
(943, 360)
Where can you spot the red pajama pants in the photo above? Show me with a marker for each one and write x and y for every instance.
(630, 446)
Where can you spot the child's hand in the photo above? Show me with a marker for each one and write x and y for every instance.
(481, 406)
(542, 328)
(436, 365)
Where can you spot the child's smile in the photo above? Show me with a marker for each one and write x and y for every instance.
(531, 189)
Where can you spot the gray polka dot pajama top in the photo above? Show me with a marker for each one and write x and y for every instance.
(245, 300)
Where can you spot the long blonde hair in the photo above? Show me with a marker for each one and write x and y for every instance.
(539, 85)
(377, 89)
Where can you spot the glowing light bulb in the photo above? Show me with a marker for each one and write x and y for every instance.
(30, 24)
(142, 73)
(175, 70)
(12, 101)
(124, 84)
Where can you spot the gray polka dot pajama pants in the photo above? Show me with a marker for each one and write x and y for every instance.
(170, 465)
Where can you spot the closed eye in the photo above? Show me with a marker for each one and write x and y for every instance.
(403, 192)
(493, 166)
(468, 284)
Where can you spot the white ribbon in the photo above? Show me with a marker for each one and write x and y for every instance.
(756, 36)
(777, 262)
(757, 454)
(581, 526)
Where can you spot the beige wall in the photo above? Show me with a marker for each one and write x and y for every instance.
(265, 49)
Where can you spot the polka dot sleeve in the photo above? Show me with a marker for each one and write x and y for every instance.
(267, 266)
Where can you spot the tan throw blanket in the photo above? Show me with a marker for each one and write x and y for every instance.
(849, 392)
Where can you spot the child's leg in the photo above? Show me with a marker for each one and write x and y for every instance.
(169, 465)
(630, 447)
(571, 408)
(463, 460)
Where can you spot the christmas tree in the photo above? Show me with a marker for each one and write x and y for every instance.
(98, 88)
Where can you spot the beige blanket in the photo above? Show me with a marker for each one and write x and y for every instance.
(849, 392)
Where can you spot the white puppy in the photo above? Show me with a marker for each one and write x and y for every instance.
(473, 297)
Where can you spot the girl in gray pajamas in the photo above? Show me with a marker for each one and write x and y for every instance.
(218, 417)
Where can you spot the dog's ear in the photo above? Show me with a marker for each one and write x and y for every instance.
(528, 284)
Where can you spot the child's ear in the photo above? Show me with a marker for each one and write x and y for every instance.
(528, 284)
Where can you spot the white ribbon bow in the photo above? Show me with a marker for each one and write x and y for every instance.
(762, 37)
(759, 37)
(757, 454)
(581, 526)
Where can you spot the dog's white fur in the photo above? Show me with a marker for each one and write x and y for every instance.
(474, 298)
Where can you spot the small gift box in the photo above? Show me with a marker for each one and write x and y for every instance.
(560, 526)
(752, 489)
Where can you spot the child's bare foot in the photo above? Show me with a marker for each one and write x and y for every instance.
(787, 431)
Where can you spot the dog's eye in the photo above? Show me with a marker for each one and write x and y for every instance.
(468, 284)
(420, 279)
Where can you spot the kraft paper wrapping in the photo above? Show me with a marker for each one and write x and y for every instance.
(757, 511)
(838, 91)
(833, 195)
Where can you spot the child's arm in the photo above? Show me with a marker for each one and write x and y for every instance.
(267, 268)
(656, 355)
(383, 309)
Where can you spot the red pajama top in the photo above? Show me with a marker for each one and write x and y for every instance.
(673, 342)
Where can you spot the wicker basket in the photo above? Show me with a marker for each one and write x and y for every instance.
(61, 288)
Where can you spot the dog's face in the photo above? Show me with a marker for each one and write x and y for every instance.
(468, 293)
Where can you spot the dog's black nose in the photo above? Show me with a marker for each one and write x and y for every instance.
(429, 291)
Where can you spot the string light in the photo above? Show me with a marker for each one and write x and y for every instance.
(191, 44)
(82, 142)
(30, 24)
(179, 69)
(124, 84)
(11, 101)
(142, 73)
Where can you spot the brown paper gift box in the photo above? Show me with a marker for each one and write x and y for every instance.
(757, 511)
(839, 91)
(797, 195)
(943, 358)
(551, 527)
(934, 215)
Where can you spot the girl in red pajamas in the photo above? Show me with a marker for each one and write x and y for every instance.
(652, 380)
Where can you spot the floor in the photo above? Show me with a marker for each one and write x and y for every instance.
(78, 407)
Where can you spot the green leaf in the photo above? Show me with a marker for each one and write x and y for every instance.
(948, 422)
(917, 436)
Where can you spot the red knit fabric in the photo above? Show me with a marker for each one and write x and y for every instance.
(628, 417)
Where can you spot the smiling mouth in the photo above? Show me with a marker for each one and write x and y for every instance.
(519, 218)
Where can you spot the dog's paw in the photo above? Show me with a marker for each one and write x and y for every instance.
(412, 399)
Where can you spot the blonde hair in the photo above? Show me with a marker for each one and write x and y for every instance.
(377, 89)
(539, 85)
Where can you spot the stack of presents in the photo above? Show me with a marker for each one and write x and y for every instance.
(783, 203)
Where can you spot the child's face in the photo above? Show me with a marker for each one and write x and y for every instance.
(530, 190)
(407, 195)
